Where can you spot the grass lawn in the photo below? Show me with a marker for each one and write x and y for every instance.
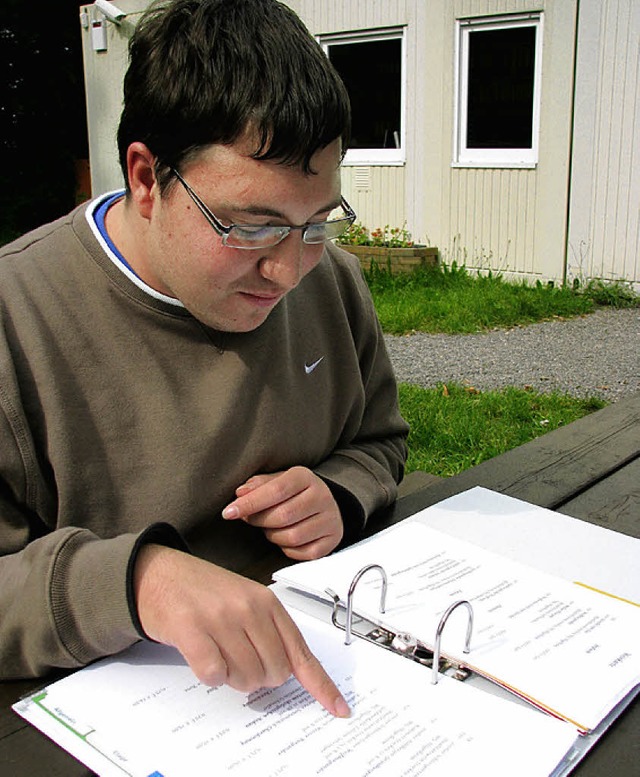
(454, 427)
(452, 301)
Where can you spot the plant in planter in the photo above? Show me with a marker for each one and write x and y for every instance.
(391, 237)
(390, 248)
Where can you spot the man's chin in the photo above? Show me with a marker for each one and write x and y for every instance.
(239, 323)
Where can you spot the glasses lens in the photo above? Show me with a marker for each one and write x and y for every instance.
(255, 237)
(266, 236)
(327, 230)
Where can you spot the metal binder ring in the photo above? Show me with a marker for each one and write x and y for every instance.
(383, 597)
(441, 625)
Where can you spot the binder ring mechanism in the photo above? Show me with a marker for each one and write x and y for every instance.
(400, 642)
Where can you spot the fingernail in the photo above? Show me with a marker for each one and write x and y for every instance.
(229, 513)
(341, 708)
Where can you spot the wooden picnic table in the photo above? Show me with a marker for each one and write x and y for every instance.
(589, 469)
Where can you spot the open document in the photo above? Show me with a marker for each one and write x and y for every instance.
(565, 647)
(143, 713)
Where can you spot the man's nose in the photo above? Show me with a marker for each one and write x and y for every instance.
(282, 264)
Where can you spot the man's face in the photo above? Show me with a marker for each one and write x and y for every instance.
(233, 289)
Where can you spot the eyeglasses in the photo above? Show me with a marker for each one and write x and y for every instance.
(248, 236)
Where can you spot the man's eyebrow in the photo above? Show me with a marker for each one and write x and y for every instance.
(260, 210)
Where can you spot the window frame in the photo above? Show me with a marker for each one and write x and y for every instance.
(376, 156)
(463, 156)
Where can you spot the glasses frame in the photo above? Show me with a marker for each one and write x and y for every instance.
(285, 229)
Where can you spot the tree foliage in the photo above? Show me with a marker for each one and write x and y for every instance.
(42, 111)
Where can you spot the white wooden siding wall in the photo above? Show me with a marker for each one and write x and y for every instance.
(492, 220)
(509, 219)
(376, 194)
(604, 233)
(481, 217)
(512, 220)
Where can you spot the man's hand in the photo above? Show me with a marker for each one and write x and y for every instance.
(295, 509)
(229, 629)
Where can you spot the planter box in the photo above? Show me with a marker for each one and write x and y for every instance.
(396, 260)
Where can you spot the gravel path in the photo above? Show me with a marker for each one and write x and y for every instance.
(594, 355)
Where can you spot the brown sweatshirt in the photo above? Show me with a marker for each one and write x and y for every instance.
(119, 412)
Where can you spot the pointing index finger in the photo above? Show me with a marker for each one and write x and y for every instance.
(309, 671)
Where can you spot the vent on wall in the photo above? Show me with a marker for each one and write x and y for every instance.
(362, 178)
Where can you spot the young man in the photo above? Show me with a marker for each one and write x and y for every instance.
(190, 369)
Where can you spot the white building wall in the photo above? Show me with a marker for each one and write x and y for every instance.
(511, 220)
(604, 231)
(104, 73)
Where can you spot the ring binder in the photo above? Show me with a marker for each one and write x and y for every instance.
(398, 641)
(351, 592)
(440, 629)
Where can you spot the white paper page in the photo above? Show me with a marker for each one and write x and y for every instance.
(575, 651)
(148, 715)
(544, 539)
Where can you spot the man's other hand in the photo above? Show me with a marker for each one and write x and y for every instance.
(295, 509)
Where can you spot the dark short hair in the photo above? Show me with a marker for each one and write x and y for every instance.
(204, 71)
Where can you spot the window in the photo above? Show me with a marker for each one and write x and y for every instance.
(498, 87)
(372, 68)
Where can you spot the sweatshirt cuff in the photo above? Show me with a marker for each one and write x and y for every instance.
(352, 512)
(359, 489)
(156, 534)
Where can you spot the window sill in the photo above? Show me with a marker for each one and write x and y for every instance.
(346, 162)
(496, 165)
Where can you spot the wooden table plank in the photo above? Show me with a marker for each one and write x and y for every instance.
(613, 503)
(10, 692)
(551, 470)
(618, 752)
(29, 752)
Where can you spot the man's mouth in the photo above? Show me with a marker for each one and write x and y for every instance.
(261, 299)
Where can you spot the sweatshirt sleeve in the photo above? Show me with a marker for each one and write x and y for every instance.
(364, 471)
(66, 599)
(66, 596)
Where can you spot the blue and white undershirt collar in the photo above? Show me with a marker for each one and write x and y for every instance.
(95, 213)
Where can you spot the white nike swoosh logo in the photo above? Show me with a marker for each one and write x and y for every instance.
(309, 368)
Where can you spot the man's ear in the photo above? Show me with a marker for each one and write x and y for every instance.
(142, 178)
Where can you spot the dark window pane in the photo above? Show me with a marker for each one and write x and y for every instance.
(371, 72)
(500, 94)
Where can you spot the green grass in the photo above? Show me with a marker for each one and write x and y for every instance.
(450, 300)
(454, 427)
